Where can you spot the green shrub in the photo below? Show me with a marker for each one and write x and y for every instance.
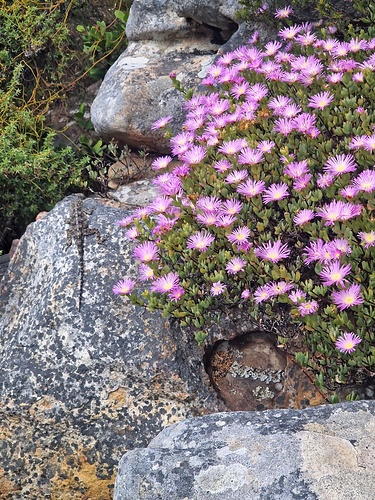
(272, 207)
(41, 60)
(34, 174)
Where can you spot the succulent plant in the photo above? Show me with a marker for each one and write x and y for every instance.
(272, 204)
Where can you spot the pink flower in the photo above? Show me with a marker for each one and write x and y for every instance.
(240, 89)
(263, 293)
(217, 288)
(180, 142)
(347, 298)
(280, 287)
(250, 188)
(226, 220)
(325, 180)
(236, 176)
(231, 207)
(176, 293)
(123, 287)
(335, 77)
(222, 165)
(165, 284)
(132, 233)
(164, 224)
(279, 103)
(306, 308)
(167, 184)
(145, 272)
(296, 168)
(349, 192)
(266, 146)
(146, 252)
(161, 123)
(207, 218)
(219, 107)
(296, 296)
(239, 235)
(161, 162)
(304, 123)
(340, 164)
(347, 342)
(306, 39)
(245, 294)
(302, 182)
(365, 181)
(250, 156)
(209, 203)
(271, 48)
(142, 213)
(257, 92)
(194, 155)
(125, 222)
(358, 142)
(283, 12)
(367, 238)
(290, 32)
(235, 265)
(340, 246)
(161, 204)
(283, 125)
(232, 147)
(369, 142)
(200, 241)
(320, 100)
(334, 274)
(291, 111)
(303, 217)
(318, 251)
(275, 192)
(272, 251)
(338, 210)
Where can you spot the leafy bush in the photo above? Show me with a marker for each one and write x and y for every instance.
(34, 174)
(272, 207)
(40, 64)
(102, 42)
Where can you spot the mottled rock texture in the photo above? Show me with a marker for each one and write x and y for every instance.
(179, 36)
(321, 453)
(164, 36)
(80, 388)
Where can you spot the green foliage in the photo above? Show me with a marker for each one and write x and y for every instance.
(40, 62)
(33, 173)
(196, 283)
(101, 42)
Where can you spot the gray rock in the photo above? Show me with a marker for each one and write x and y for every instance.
(164, 36)
(321, 453)
(137, 90)
(80, 388)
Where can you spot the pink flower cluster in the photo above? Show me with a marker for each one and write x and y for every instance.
(257, 174)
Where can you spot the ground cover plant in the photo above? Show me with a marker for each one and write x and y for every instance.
(272, 205)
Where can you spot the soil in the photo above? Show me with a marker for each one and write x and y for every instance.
(251, 372)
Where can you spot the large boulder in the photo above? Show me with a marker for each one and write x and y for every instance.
(78, 388)
(325, 453)
(164, 36)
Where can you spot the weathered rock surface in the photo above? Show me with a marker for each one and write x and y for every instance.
(80, 388)
(137, 90)
(322, 453)
(164, 37)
